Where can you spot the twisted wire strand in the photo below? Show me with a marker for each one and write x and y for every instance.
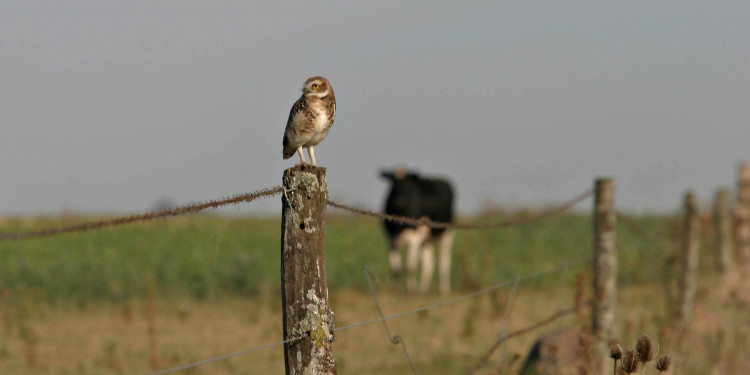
(178, 211)
(557, 315)
(443, 225)
(630, 224)
(469, 295)
(205, 361)
(394, 339)
(511, 296)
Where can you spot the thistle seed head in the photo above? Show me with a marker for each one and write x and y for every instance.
(629, 361)
(663, 363)
(645, 349)
(615, 352)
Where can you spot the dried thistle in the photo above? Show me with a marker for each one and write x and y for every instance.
(663, 363)
(645, 349)
(615, 352)
(629, 361)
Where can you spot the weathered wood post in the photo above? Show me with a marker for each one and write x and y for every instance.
(605, 270)
(742, 214)
(688, 259)
(723, 229)
(308, 319)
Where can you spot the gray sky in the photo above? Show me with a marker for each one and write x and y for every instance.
(110, 106)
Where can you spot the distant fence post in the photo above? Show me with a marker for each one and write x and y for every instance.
(688, 259)
(605, 269)
(723, 229)
(743, 214)
(308, 319)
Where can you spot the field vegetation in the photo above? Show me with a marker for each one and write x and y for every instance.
(166, 293)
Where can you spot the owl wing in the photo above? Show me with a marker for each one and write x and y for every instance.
(333, 113)
(292, 127)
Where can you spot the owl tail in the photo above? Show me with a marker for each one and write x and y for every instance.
(288, 151)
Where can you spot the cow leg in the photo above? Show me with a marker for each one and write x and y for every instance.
(428, 267)
(414, 239)
(446, 245)
(396, 266)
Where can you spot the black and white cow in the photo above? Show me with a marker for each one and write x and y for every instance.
(417, 197)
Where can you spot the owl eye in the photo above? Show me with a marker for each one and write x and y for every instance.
(315, 85)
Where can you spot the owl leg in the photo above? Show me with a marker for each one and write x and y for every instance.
(301, 156)
(312, 155)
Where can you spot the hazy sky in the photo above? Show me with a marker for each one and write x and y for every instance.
(111, 106)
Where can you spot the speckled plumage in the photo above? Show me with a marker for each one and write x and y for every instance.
(310, 118)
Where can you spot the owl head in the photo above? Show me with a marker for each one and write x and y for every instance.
(317, 86)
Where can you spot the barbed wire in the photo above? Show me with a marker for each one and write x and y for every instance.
(557, 315)
(182, 210)
(443, 225)
(393, 339)
(638, 231)
(193, 208)
(470, 295)
(226, 356)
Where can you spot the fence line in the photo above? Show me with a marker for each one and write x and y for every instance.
(394, 339)
(226, 356)
(633, 227)
(557, 315)
(563, 266)
(178, 211)
(443, 225)
(194, 208)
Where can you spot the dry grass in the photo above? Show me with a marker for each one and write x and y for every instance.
(114, 338)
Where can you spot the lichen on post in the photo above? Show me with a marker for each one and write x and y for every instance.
(308, 319)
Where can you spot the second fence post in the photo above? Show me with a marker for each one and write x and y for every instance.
(723, 229)
(743, 215)
(308, 320)
(605, 270)
(689, 259)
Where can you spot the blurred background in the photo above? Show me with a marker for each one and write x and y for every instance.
(109, 108)
(119, 107)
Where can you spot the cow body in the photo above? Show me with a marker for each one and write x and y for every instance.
(416, 197)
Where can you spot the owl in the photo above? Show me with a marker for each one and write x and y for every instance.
(310, 119)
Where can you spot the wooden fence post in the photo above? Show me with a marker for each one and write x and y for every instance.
(723, 229)
(605, 270)
(742, 214)
(308, 319)
(688, 259)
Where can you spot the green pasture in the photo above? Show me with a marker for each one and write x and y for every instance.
(208, 256)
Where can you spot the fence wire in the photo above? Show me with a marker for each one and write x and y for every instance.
(182, 210)
(637, 230)
(383, 318)
(443, 225)
(557, 315)
(395, 339)
(194, 208)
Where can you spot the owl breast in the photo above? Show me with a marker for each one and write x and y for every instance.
(320, 125)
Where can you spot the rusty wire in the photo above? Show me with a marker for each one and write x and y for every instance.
(192, 208)
(395, 339)
(443, 225)
(638, 231)
(557, 315)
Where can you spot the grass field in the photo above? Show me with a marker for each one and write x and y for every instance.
(206, 286)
